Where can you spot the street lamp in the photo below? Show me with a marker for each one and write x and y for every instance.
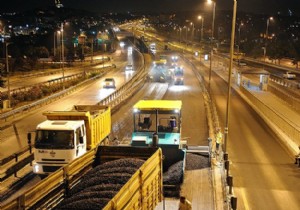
(54, 44)
(7, 69)
(212, 36)
(186, 32)
(180, 29)
(62, 53)
(202, 20)
(229, 75)
(192, 34)
(267, 30)
(239, 42)
(239, 30)
(92, 43)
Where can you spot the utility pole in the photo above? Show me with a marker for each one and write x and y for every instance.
(229, 76)
(7, 69)
(62, 53)
(211, 43)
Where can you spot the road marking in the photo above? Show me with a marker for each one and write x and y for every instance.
(244, 198)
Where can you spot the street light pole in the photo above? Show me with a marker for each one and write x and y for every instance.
(201, 35)
(267, 30)
(192, 34)
(92, 42)
(239, 29)
(62, 53)
(202, 20)
(54, 53)
(7, 69)
(239, 42)
(211, 41)
(229, 75)
(186, 32)
(180, 29)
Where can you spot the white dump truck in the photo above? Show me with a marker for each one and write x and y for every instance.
(67, 135)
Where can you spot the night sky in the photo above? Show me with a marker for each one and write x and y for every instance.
(256, 6)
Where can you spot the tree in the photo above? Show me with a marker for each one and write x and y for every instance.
(295, 51)
(2, 82)
(280, 47)
(41, 52)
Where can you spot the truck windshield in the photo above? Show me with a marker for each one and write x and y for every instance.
(50, 139)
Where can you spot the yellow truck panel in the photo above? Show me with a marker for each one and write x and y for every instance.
(97, 120)
(165, 105)
(144, 190)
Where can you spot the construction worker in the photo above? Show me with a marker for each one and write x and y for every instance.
(219, 138)
(184, 204)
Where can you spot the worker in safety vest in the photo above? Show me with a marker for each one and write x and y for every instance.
(219, 138)
(184, 204)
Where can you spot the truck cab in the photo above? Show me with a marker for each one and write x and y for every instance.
(57, 143)
(159, 117)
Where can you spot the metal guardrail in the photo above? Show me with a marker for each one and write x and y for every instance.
(50, 72)
(269, 64)
(285, 82)
(16, 162)
(46, 100)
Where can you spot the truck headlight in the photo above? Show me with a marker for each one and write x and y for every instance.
(36, 168)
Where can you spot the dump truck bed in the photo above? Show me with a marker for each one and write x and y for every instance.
(143, 190)
(97, 120)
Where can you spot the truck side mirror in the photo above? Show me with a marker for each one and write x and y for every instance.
(81, 139)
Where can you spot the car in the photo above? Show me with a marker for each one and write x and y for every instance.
(289, 75)
(174, 58)
(109, 83)
(242, 64)
(129, 67)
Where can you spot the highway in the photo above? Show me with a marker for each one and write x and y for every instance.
(263, 171)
